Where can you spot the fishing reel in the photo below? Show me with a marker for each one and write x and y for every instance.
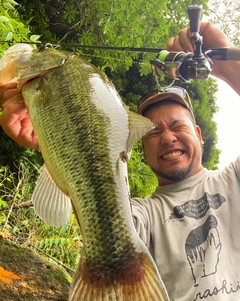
(181, 65)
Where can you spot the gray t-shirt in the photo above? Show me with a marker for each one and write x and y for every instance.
(192, 230)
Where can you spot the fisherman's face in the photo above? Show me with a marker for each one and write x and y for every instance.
(173, 149)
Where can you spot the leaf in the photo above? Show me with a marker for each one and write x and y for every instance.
(9, 36)
(2, 202)
(2, 25)
(4, 19)
(34, 38)
(12, 2)
(7, 5)
(5, 235)
(6, 276)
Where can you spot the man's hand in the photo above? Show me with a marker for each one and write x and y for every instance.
(15, 120)
(212, 38)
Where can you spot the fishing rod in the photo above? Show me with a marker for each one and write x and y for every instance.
(192, 66)
(178, 65)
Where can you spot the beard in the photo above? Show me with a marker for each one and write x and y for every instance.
(175, 175)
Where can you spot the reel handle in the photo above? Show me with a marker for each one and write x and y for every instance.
(194, 14)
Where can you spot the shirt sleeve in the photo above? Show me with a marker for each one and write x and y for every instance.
(238, 168)
(140, 219)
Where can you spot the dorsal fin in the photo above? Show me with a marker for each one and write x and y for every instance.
(139, 126)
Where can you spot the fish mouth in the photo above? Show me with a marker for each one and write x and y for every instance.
(27, 82)
(27, 79)
(173, 154)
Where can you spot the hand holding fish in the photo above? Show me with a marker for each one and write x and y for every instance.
(15, 120)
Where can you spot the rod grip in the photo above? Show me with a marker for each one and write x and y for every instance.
(233, 54)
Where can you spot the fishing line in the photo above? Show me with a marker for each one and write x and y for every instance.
(115, 59)
(112, 48)
(105, 48)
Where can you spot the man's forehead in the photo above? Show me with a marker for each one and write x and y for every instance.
(168, 110)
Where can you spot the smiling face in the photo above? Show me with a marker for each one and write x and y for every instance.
(173, 149)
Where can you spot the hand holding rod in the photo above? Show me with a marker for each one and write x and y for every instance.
(191, 66)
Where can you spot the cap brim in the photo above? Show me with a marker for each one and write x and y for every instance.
(159, 97)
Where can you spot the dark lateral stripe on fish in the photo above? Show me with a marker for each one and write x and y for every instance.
(95, 166)
(97, 174)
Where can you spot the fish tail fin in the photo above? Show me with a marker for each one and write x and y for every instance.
(137, 282)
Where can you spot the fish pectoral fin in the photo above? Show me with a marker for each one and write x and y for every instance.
(139, 126)
(50, 203)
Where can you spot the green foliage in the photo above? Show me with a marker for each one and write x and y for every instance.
(141, 178)
(12, 29)
(106, 23)
(115, 23)
(63, 244)
(15, 188)
(131, 84)
(13, 155)
(203, 97)
(18, 217)
(225, 14)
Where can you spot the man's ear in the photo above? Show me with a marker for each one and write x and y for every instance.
(199, 133)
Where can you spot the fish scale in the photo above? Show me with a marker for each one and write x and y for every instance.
(85, 134)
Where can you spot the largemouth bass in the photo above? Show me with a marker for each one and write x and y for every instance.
(85, 134)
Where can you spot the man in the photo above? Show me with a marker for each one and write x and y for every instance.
(191, 223)
(184, 222)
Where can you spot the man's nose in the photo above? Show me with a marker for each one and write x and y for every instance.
(168, 137)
